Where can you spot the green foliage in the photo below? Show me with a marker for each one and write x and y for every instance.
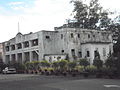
(83, 62)
(92, 69)
(110, 62)
(98, 63)
(63, 64)
(88, 15)
(55, 64)
(45, 63)
(2, 66)
(80, 68)
(72, 64)
(34, 65)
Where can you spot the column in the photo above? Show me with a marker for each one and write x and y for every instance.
(30, 43)
(16, 58)
(23, 57)
(10, 58)
(31, 56)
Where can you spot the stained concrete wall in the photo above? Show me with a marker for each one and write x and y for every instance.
(62, 41)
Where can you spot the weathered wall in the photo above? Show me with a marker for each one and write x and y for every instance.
(63, 41)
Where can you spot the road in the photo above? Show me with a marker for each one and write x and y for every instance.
(39, 82)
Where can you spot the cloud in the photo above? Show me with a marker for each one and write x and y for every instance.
(18, 7)
(16, 3)
(43, 15)
(39, 15)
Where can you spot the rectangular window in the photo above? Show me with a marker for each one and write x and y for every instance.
(73, 52)
(88, 35)
(12, 47)
(88, 54)
(26, 44)
(19, 46)
(78, 35)
(47, 37)
(7, 48)
(72, 35)
(61, 36)
(80, 54)
(35, 42)
(93, 35)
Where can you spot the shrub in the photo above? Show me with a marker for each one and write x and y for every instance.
(44, 63)
(80, 68)
(72, 65)
(98, 63)
(91, 69)
(63, 64)
(83, 62)
(55, 65)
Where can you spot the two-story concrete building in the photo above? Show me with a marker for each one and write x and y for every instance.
(64, 43)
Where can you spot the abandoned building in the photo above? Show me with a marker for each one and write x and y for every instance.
(1, 53)
(64, 43)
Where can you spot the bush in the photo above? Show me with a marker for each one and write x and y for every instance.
(83, 62)
(62, 64)
(98, 63)
(44, 63)
(80, 68)
(91, 69)
(72, 65)
(55, 65)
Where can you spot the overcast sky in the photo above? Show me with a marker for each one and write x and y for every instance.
(36, 15)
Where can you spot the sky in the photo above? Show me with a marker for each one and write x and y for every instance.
(36, 15)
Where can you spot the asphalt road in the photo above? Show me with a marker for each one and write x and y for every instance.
(38, 82)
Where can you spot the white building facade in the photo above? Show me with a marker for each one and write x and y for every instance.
(64, 43)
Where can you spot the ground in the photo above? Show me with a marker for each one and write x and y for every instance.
(39, 82)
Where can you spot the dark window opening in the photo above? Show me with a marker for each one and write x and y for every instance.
(47, 37)
(62, 51)
(61, 36)
(26, 44)
(79, 54)
(73, 52)
(13, 58)
(7, 48)
(12, 47)
(78, 35)
(35, 42)
(71, 35)
(88, 35)
(88, 54)
(19, 46)
(93, 35)
(58, 58)
(96, 54)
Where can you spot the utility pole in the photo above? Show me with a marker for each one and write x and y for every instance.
(18, 27)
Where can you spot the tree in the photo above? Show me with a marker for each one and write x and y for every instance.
(2, 66)
(89, 15)
(98, 63)
(110, 62)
